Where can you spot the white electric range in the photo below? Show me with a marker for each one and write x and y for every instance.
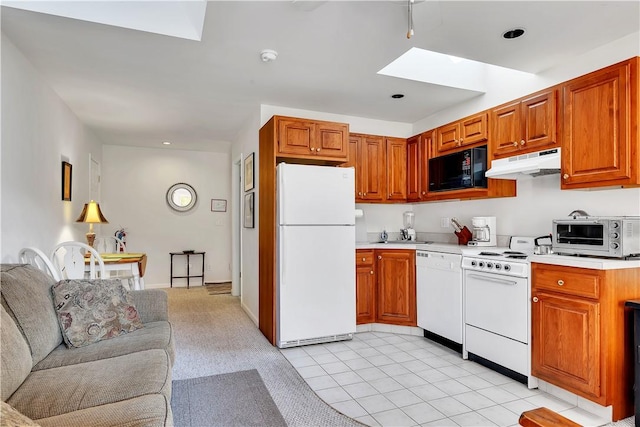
(497, 307)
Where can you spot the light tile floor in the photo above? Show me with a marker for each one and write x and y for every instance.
(387, 379)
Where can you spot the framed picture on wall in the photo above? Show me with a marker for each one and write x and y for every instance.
(66, 181)
(248, 210)
(218, 205)
(249, 170)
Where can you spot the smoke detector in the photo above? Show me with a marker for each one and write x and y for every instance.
(268, 55)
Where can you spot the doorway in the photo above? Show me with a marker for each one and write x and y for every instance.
(236, 222)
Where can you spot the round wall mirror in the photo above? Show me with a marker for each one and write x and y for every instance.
(181, 197)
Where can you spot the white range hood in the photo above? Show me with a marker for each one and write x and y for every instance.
(532, 164)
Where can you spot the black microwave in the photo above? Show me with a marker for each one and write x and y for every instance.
(463, 169)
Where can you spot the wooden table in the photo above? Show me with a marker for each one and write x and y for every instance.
(135, 263)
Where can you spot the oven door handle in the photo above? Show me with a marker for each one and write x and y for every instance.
(492, 279)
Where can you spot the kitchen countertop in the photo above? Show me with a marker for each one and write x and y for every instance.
(449, 248)
(585, 262)
(554, 259)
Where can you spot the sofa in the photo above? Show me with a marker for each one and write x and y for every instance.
(124, 380)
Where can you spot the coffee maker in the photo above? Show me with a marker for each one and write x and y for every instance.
(483, 231)
(408, 233)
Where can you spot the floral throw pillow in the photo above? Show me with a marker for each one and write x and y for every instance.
(93, 310)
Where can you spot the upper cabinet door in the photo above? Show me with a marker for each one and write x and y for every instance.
(507, 128)
(396, 169)
(296, 137)
(600, 137)
(473, 129)
(448, 137)
(373, 168)
(331, 140)
(413, 168)
(540, 114)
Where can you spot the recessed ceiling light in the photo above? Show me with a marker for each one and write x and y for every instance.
(166, 143)
(513, 34)
(397, 95)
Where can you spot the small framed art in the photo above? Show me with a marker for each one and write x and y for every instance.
(249, 170)
(218, 205)
(66, 181)
(248, 210)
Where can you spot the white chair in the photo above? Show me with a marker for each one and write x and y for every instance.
(114, 245)
(69, 260)
(109, 245)
(39, 260)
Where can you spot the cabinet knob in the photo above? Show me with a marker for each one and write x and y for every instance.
(318, 149)
(515, 143)
(371, 272)
(565, 176)
(389, 195)
(535, 299)
(363, 259)
(359, 193)
(424, 192)
(560, 282)
(312, 149)
(379, 256)
(522, 142)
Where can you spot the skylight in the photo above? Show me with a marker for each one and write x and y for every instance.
(444, 70)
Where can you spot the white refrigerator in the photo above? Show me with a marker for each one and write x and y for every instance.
(316, 274)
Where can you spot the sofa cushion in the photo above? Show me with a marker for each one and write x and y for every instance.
(26, 294)
(51, 392)
(94, 310)
(152, 410)
(15, 357)
(9, 417)
(155, 335)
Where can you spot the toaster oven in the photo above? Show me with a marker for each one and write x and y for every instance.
(615, 237)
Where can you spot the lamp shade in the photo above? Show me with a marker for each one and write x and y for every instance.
(92, 214)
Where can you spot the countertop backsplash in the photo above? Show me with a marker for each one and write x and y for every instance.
(430, 237)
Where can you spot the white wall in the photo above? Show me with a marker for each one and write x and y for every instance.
(38, 132)
(134, 187)
(539, 201)
(245, 144)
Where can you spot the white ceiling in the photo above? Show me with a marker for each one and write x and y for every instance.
(139, 88)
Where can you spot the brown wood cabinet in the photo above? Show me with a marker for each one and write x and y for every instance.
(581, 333)
(601, 130)
(365, 286)
(311, 139)
(467, 131)
(418, 155)
(366, 155)
(396, 169)
(525, 125)
(396, 290)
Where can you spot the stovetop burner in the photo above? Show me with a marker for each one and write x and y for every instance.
(513, 253)
(516, 256)
(489, 253)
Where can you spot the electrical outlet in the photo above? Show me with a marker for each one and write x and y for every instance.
(445, 222)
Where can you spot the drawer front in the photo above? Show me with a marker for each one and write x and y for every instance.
(364, 257)
(568, 280)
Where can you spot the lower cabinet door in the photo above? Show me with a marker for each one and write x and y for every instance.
(566, 342)
(396, 270)
(365, 294)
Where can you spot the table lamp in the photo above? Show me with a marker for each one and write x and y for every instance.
(92, 214)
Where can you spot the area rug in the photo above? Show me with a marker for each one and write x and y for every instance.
(234, 399)
(218, 288)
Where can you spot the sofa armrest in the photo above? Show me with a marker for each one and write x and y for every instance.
(151, 304)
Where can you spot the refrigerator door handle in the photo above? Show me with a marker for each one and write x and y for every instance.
(281, 257)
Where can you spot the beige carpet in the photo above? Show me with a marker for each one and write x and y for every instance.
(214, 336)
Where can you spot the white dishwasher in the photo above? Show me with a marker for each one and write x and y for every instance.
(439, 294)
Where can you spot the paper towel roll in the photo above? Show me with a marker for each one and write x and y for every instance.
(359, 213)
